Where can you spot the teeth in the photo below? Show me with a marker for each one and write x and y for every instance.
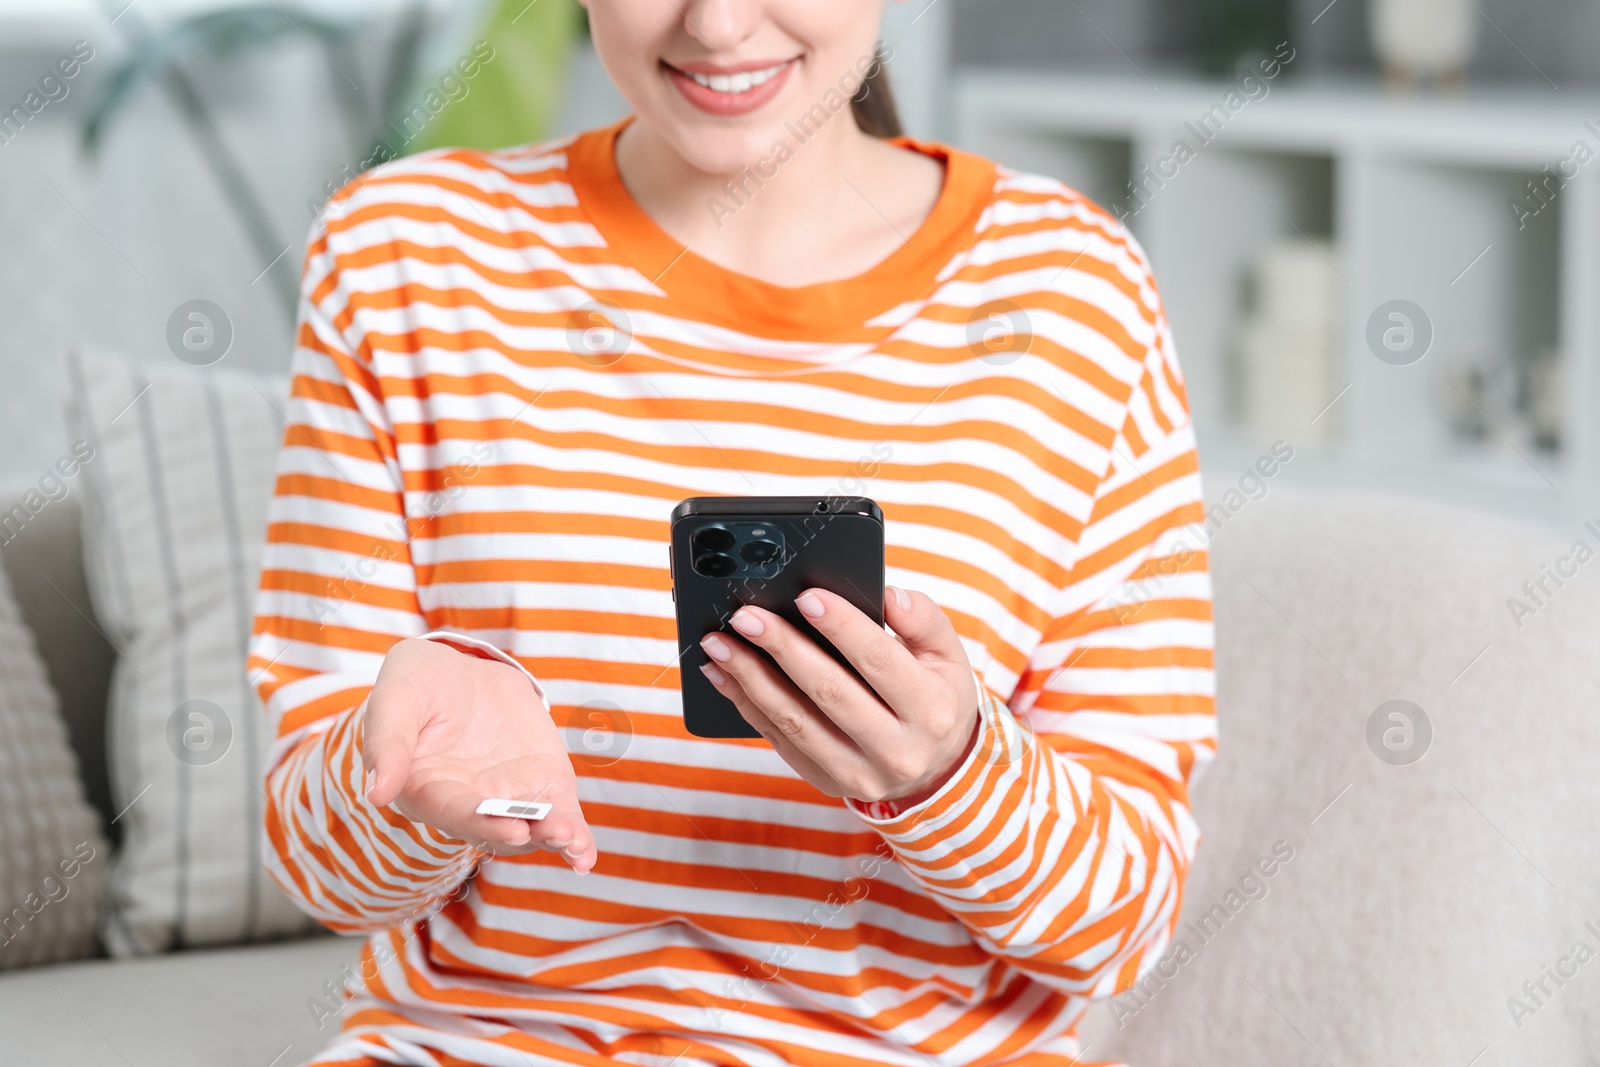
(737, 83)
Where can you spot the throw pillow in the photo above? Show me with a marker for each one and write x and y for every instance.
(174, 518)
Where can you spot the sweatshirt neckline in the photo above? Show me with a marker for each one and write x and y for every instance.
(697, 287)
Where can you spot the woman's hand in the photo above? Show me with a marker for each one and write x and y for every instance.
(900, 739)
(445, 731)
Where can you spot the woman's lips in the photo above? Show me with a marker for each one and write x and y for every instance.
(730, 92)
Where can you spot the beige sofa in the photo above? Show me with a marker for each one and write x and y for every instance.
(234, 1006)
(1347, 907)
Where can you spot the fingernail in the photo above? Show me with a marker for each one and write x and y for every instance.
(746, 623)
(717, 648)
(901, 600)
(372, 780)
(810, 605)
(715, 676)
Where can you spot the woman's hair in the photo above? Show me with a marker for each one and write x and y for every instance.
(873, 104)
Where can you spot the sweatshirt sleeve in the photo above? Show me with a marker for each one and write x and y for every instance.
(1063, 840)
(338, 589)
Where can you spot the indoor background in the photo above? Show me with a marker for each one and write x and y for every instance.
(1331, 190)
(1376, 227)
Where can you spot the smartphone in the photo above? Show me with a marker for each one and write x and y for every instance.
(764, 550)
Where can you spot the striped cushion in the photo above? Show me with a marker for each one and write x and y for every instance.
(53, 859)
(175, 512)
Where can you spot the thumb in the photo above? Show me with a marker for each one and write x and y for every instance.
(923, 627)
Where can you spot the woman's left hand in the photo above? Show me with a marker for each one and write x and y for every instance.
(899, 737)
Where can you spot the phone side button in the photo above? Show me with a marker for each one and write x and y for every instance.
(672, 575)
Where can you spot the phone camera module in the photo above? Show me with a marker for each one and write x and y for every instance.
(734, 549)
(716, 565)
(759, 552)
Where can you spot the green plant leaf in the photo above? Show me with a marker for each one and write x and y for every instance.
(216, 36)
(515, 98)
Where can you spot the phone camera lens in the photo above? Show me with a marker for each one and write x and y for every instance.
(713, 539)
(759, 551)
(716, 564)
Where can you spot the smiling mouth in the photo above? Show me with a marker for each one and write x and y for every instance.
(733, 84)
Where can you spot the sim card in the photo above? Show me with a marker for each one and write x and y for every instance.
(514, 809)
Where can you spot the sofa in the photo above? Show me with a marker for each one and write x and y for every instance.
(1380, 882)
(241, 1005)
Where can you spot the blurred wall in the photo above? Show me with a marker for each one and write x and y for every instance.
(103, 251)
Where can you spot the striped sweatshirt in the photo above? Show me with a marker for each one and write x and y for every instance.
(506, 375)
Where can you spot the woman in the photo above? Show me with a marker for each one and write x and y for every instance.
(512, 365)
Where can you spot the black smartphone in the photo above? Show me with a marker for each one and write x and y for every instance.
(764, 550)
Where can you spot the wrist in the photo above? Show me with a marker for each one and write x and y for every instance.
(472, 646)
(893, 806)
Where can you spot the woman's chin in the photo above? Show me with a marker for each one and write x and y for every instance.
(713, 147)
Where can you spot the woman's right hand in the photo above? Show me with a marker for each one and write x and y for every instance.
(445, 731)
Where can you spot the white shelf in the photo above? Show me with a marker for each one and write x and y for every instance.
(1410, 190)
(1487, 128)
